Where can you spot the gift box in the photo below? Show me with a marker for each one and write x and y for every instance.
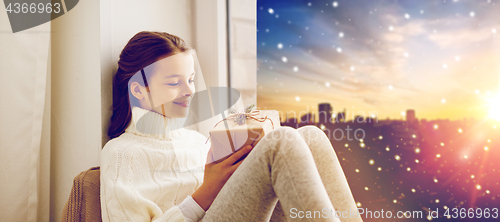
(238, 130)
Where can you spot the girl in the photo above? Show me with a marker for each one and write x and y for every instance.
(153, 169)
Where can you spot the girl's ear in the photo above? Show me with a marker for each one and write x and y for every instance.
(137, 90)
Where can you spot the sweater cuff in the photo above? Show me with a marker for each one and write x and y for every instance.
(191, 210)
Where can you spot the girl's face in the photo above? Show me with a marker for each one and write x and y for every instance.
(171, 86)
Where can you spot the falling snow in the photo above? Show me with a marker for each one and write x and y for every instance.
(414, 167)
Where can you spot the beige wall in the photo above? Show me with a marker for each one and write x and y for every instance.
(75, 100)
(243, 29)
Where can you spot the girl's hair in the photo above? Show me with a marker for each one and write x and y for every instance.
(141, 50)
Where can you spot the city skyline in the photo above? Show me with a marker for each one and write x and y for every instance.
(350, 116)
(438, 58)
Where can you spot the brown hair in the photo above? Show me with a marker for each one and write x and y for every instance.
(141, 50)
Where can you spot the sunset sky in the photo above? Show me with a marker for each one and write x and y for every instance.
(441, 58)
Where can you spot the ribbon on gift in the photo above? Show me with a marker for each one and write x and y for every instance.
(240, 119)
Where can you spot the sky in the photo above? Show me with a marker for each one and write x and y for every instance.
(440, 58)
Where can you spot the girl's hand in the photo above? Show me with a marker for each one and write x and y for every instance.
(216, 175)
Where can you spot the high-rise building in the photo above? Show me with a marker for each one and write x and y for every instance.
(341, 117)
(325, 113)
(410, 116)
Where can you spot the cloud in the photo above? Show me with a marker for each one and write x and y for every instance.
(377, 53)
(460, 38)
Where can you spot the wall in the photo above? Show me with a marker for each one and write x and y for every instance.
(75, 100)
(211, 45)
(243, 44)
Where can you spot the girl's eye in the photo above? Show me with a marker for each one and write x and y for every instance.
(175, 84)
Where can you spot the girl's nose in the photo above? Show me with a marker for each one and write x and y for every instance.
(188, 91)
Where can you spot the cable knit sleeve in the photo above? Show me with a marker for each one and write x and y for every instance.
(128, 190)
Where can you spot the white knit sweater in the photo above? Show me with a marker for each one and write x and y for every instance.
(149, 172)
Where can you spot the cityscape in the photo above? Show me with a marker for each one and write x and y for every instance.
(414, 164)
(408, 92)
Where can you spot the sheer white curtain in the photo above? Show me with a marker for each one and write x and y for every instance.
(24, 75)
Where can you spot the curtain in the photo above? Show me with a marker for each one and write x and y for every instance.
(24, 58)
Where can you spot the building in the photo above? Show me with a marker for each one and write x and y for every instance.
(410, 116)
(325, 113)
(341, 117)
